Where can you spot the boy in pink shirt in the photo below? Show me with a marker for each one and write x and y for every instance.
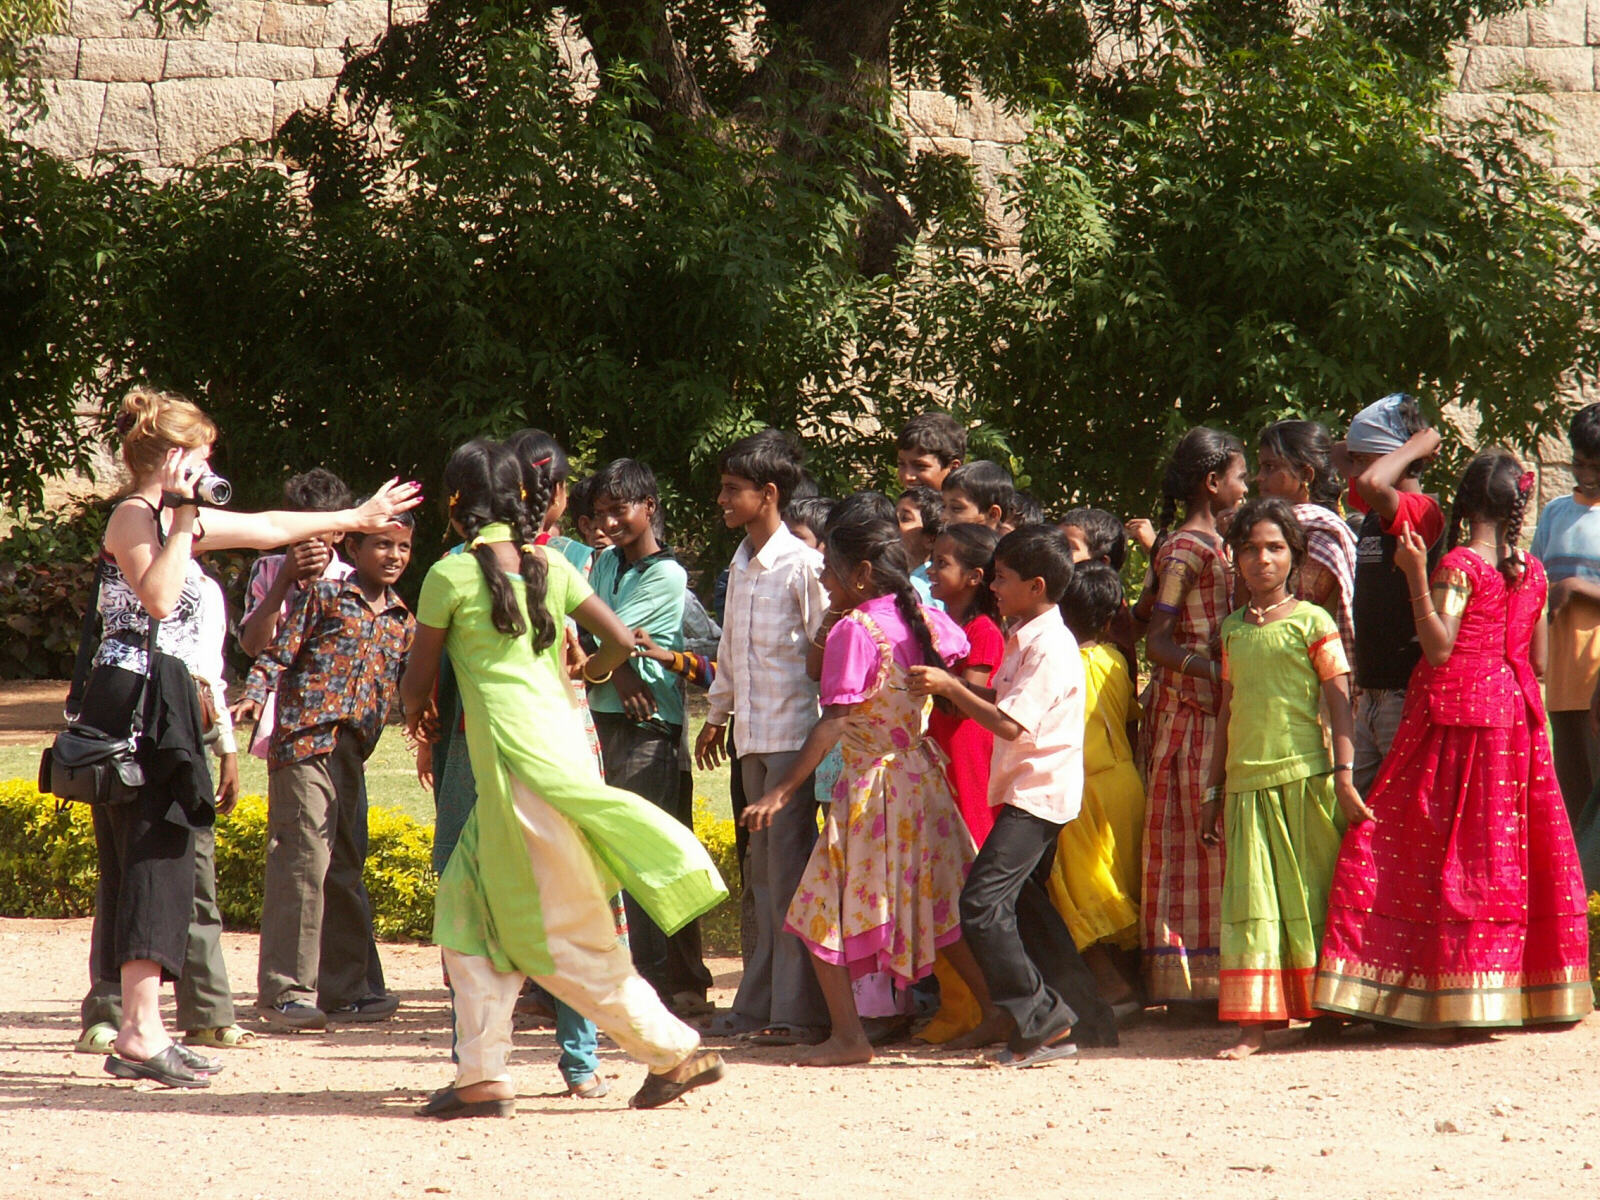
(1045, 995)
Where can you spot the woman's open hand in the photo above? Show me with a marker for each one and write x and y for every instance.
(388, 502)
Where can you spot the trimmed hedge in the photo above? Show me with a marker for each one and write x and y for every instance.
(48, 867)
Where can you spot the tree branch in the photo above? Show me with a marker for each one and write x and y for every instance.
(639, 30)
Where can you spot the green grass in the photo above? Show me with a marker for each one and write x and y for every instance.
(391, 775)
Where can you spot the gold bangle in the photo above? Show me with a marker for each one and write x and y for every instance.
(1183, 667)
(1419, 596)
(591, 681)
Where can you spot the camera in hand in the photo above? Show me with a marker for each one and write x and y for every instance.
(212, 489)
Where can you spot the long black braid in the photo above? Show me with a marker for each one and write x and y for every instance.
(482, 485)
(1200, 452)
(534, 501)
(1495, 488)
(875, 541)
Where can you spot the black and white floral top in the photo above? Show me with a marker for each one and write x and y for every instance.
(125, 625)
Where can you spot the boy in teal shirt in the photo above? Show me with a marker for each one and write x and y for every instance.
(638, 709)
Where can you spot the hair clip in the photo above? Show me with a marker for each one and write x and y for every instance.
(1525, 484)
(541, 462)
(454, 497)
(124, 423)
(524, 492)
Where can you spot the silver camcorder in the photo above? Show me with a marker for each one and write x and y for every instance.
(212, 489)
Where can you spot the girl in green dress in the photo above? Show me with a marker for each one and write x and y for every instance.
(526, 890)
(1284, 804)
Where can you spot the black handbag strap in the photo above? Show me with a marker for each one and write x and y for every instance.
(88, 641)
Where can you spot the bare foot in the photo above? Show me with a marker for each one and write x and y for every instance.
(835, 1052)
(1250, 1040)
(136, 1047)
(991, 1030)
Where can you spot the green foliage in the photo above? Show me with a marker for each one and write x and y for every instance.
(719, 928)
(1291, 229)
(48, 866)
(712, 223)
(45, 572)
(399, 871)
(1594, 943)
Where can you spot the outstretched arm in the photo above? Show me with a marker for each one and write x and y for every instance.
(226, 530)
(968, 699)
(824, 736)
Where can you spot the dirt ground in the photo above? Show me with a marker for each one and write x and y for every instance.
(331, 1114)
(30, 709)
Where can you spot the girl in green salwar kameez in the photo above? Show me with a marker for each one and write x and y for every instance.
(1284, 802)
(526, 890)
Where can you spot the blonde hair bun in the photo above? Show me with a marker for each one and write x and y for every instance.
(153, 423)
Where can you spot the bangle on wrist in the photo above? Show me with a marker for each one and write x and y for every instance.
(1419, 596)
(591, 680)
(1183, 667)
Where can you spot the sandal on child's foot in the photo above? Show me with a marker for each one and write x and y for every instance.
(97, 1039)
(592, 1088)
(447, 1105)
(221, 1037)
(700, 1069)
(1058, 1047)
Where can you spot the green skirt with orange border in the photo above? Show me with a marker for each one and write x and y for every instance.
(1282, 845)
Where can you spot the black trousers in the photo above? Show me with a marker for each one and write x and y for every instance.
(1022, 945)
(145, 897)
(642, 757)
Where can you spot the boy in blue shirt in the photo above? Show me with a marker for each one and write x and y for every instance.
(638, 709)
(1567, 541)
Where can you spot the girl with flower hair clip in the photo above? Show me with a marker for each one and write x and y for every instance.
(1460, 905)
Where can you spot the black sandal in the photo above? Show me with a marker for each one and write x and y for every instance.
(659, 1090)
(447, 1105)
(167, 1068)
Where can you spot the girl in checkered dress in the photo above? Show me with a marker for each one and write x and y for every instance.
(1193, 578)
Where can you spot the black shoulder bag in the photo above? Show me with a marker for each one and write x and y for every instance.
(92, 766)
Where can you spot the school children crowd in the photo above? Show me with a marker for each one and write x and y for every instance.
(961, 818)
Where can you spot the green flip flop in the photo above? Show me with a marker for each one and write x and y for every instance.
(97, 1039)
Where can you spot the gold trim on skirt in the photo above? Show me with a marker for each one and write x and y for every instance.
(1487, 998)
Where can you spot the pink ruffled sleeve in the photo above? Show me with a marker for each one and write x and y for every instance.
(949, 637)
(850, 664)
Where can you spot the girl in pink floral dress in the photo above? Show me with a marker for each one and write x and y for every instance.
(881, 890)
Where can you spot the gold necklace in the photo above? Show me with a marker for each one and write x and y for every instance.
(1260, 614)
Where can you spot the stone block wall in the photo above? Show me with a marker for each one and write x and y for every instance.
(168, 97)
(1549, 56)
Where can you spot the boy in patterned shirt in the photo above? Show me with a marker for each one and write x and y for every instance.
(333, 670)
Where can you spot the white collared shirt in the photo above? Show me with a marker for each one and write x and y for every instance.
(775, 604)
(1040, 686)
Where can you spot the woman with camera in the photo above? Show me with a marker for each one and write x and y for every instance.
(146, 847)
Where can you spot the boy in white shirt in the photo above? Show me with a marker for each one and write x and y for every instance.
(1046, 996)
(775, 606)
